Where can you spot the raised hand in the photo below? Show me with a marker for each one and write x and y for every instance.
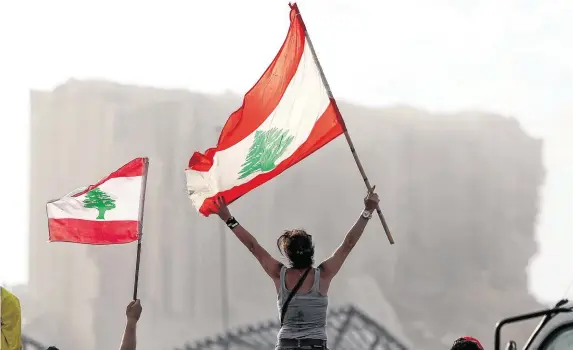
(133, 311)
(221, 209)
(371, 200)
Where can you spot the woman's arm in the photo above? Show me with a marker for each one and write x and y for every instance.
(271, 266)
(332, 265)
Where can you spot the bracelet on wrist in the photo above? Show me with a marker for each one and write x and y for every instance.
(366, 214)
(232, 223)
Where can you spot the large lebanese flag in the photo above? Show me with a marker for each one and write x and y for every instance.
(284, 118)
(104, 213)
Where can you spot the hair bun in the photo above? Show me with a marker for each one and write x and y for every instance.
(297, 246)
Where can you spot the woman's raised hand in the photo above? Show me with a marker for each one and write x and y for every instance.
(371, 200)
(221, 209)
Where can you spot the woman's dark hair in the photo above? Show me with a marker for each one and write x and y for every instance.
(297, 246)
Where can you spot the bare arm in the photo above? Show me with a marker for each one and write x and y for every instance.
(129, 341)
(332, 265)
(271, 266)
(133, 312)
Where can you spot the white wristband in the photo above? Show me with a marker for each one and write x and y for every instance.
(366, 214)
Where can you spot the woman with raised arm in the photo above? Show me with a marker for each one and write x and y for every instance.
(302, 289)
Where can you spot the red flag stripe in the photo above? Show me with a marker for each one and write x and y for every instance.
(92, 232)
(325, 130)
(134, 168)
(269, 89)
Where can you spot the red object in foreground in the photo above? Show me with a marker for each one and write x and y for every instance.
(474, 340)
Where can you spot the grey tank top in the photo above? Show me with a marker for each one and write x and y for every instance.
(305, 317)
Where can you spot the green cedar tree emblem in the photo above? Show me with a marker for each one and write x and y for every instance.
(267, 147)
(98, 199)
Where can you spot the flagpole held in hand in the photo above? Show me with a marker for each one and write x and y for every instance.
(140, 227)
(341, 120)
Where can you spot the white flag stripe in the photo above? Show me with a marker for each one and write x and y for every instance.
(303, 103)
(125, 191)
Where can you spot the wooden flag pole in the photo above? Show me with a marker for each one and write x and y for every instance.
(346, 134)
(140, 227)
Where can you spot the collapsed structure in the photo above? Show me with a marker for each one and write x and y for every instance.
(460, 193)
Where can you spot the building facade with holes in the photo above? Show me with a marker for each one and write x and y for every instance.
(180, 283)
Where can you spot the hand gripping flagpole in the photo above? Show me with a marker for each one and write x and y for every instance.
(341, 120)
(140, 226)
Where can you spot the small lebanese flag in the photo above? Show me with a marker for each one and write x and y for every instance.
(105, 213)
(284, 118)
